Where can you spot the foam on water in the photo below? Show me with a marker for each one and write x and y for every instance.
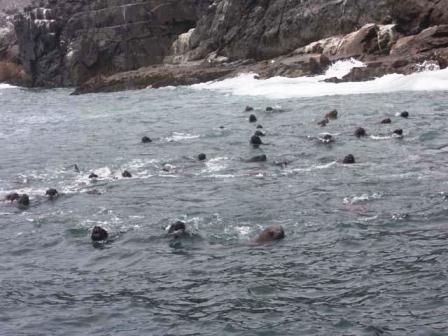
(429, 79)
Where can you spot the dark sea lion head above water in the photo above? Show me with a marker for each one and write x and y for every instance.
(99, 234)
(269, 109)
(404, 114)
(51, 193)
(93, 176)
(349, 159)
(12, 197)
(398, 132)
(126, 174)
(323, 123)
(202, 157)
(360, 132)
(256, 140)
(270, 234)
(259, 126)
(248, 108)
(252, 118)
(259, 133)
(386, 121)
(177, 230)
(333, 114)
(326, 138)
(146, 139)
(23, 201)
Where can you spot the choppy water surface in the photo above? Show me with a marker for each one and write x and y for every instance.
(366, 249)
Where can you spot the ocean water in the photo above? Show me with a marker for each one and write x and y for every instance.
(365, 251)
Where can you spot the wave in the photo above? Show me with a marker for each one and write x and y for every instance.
(429, 79)
(7, 86)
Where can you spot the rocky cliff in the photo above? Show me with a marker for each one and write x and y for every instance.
(71, 42)
(66, 42)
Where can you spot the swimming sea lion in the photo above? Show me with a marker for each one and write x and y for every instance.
(146, 139)
(99, 234)
(349, 159)
(270, 234)
(333, 114)
(93, 176)
(398, 132)
(177, 229)
(256, 140)
(248, 108)
(23, 201)
(12, 197)
(323, 123)
(404, 114)
(202, 157)
(386, 121)
(51, 193)
(360, 132)
(252, 118)
(126, 174)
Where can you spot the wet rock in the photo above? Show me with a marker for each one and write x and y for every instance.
(202, 157)
(349, 159)
(386, 121)
(52, 193)
(360, 132)
(146, 139)
(99, 234)
(126, 174)
(252, 118)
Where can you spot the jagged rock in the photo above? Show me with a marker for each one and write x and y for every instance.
(67, 42)
(264, 29)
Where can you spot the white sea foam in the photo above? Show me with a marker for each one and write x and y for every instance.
(7, 86)
(181, 136)
(429, 79)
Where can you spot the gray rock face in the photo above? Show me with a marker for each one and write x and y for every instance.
(67, 42)
(269, 28)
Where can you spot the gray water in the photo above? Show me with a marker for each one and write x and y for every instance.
(365, 251)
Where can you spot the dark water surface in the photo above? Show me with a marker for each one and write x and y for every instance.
(366, 249)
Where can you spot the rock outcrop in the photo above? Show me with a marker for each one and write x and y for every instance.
(109, 45)
(64, 43)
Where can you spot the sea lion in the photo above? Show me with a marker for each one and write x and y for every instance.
(255, 140)
(260, 133)
(52, 193)
(404, 114)
(76, 168)
(146, 139)
(386, 121)
(326, 138)
(126, 174)
(12, 197)
(99, 234)
(269, 234)
(23, 201)
(259, 126)
(360, 132)
(349, 159)
(177, 230)
(398, 132)
(202, 157)
(269, 109)
(252, 118)
(258, 158)
(333, 114)
(248, 108)
(93, 176)
(323, 123)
